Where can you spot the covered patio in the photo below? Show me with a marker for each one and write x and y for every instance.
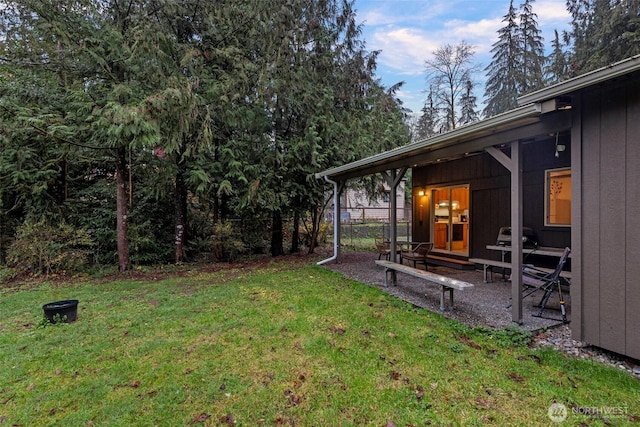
(564, 164)
(487, 304)
(499, 142)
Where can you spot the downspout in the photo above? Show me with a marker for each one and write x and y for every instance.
(336, 223)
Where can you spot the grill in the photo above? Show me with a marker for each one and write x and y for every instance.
(529, 238)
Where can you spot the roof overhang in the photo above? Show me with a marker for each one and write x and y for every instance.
(592, 78)
(524, 123)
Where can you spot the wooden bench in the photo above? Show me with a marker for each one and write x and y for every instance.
(447, 283)
(489, 264)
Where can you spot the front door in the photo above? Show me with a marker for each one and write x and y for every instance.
(450, 207)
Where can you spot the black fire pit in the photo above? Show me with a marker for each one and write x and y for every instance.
(61, 311)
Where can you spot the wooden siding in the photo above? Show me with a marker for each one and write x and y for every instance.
(490, 194)
(610, 271)
(632, 244)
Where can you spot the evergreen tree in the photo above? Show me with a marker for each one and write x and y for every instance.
(428, 120)
(531, 49)
(603, 32)
(167, 117)
(557, 68)
(501, 89)
(468, 106)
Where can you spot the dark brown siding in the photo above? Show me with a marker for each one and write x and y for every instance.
(590, 308)
(632, 291)
(610, 211)
(491, 195)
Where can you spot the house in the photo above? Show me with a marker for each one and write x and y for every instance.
(357, 206)
(565, 164)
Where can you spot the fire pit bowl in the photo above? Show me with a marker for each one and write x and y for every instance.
(61, 311)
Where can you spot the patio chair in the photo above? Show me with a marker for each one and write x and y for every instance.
(547, 282)
(418, 254)
(383, 247)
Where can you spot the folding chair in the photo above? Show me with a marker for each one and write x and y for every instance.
(539, 280)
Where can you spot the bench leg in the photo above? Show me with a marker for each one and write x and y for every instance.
(488, 272)
(389, 277)
(443, 297)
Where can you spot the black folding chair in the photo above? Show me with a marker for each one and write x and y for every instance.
(540, 280)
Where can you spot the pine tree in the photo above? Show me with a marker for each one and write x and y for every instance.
(468, 105)
(557, 68)
(428, 120)
(531, 49)
(603, 32)
(501, 89)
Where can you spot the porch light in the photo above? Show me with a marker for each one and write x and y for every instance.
(420, 193)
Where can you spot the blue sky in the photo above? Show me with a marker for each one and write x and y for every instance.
(408, 31)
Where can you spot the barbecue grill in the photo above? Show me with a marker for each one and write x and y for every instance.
(529, 238)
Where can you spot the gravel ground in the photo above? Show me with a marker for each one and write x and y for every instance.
(487, 304)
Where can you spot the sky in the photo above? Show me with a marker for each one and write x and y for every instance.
(407, 32)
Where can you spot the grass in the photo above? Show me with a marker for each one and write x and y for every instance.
(278, 344)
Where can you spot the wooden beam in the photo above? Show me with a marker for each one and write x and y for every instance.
(393, 179)
(516, 232)
(501, 157)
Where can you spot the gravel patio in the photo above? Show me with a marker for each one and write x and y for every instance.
(484, 305)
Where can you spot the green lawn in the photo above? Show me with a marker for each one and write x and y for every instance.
(282, 343)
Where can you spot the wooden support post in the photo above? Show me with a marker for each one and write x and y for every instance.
(516, 232)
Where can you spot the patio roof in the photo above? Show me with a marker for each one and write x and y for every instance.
(523, 123)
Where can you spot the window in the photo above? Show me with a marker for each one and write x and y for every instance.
(558, 197)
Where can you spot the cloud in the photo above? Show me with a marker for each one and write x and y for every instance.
(480, 34)
(408, 12)
(403, 49)
(551, 12)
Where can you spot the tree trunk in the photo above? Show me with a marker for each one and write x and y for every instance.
(315, 226)
(277, 248)
(121, 210)
(216, 209)
(181, 216)
(295, 235)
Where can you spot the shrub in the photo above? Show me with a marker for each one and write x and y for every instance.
(43, 248)
(227, 242)
(6, 274)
